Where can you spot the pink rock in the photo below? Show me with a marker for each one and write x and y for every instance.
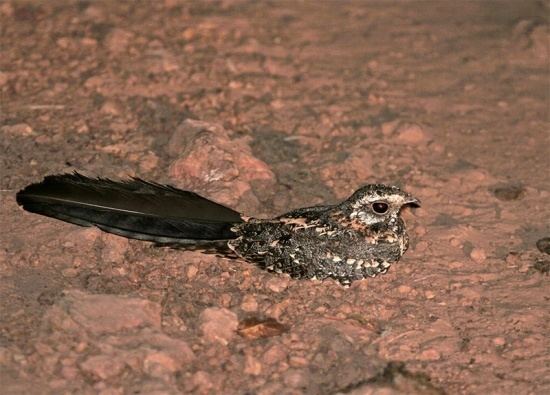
(218, 324)
(389, 127)
(3, 79)
(213, 164)
(429, 355)
(252, 366)
(295, 378)
(84, 236)
(278, 283)
(21, 129)
(69, 372)
(158, 363)
(249, 303)
(111, 108)
(404, 289)
(175, 348)
(6, 9)
(429, 294)
(411, 134)
(148, 162)
(103, 366)
(202, 381)
(115, 248)
(109, 313)
(274, 355)
(118, 40)
(191, 272)
(298, 362)
(478, 255)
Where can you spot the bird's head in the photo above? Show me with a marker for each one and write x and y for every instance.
(377, 203)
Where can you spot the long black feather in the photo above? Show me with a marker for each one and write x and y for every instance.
(134, 208)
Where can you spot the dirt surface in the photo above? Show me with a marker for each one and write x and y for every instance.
(269, 106)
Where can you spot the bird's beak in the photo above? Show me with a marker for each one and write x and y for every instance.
(412, 201)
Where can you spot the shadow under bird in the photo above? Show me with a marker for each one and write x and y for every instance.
(357, 238)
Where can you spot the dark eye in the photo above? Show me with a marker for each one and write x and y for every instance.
(380, 207)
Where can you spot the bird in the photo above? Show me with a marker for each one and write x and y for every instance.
(357, 238)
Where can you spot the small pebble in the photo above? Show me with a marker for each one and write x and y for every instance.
(3, 79)
(430, 355)
(404, 289)
(21, 129)
(298, 362)
(218, 324)
(249, 303)
(478, 255)
(295, 378)
(252, 366)
(158, 362)
(411, 134)
(69, 272)
(278, 284)
(455, 242)
(191, 272)
(429, 294)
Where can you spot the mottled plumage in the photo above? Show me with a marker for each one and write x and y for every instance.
(357, 238)
(347, 242)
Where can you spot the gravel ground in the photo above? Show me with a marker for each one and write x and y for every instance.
(268, 106)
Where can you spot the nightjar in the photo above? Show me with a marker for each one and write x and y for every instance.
(357, 238)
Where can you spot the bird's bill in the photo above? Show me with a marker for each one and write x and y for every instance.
(412, 201)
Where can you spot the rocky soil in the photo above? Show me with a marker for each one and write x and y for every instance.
(268, 106)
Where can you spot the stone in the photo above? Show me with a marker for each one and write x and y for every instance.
(103, 366)
(218, 324)
(295, 378)
(404, 289)
(202, 381)
(210, 162)
(411, 134)
(3, 79)
(109, 313)
(278, 284)
(118, 40)
(158, 363)
(252, 366)
(19, 129)
(429, 355)
(478, 255)
(274, 355)
(114, 249)
(148, 162)
(249, 303)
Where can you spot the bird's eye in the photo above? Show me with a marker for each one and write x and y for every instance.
(380, 207)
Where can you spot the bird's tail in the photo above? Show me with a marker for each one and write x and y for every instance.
(135, 209)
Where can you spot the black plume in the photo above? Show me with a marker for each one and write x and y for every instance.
(135, 208)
